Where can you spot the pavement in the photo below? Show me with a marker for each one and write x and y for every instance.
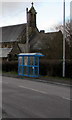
(23, 98)
(44, 79)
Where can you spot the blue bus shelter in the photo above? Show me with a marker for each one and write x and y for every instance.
(28, 64)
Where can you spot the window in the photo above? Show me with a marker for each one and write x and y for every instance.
(25, 70)
(36, 60)
(25, 60)
(31, 60)
(30, 71)
(20, 60)
(20, 70)
(36, 71)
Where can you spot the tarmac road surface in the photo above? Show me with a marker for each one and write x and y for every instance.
(31, 99)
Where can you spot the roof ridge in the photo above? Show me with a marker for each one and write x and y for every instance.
(13, 25)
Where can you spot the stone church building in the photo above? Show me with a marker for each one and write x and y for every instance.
(14, 39)
(17, 38)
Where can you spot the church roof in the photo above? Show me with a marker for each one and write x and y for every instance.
(4, 52)
(22, 47)
(41, 40)
(50, 44)
(11, 33)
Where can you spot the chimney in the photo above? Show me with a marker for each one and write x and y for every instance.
(42, 31)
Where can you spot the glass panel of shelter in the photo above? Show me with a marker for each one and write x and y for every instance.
(20, 69)
(25, 69)
(36, 60)
(31, 60)
(20, 60)
(31, 65)
(25, 65)
(25, 60)
(36, 66)
(36, 71)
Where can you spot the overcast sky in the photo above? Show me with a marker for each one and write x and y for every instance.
(49, 12)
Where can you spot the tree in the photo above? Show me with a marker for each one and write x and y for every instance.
(68, 36)
(68, 31)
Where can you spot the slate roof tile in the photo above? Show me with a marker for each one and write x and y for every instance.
(11, 33)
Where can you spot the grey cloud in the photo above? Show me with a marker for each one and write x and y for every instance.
(11, 8)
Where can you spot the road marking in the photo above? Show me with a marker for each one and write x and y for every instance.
(33, 90)
(62, 84)
(43, 92)
(67, 98)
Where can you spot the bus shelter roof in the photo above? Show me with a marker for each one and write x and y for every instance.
(30, 54)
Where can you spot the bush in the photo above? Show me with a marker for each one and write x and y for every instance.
(69, 69)
(55, 69)
(51, 69)
(43, 69)
(10, 66)
(46, 68)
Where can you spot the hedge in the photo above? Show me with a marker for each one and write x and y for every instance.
(50, 69)
(9, 66)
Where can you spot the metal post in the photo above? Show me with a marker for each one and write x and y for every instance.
(64, 39)
(38, 65)
(27, 37)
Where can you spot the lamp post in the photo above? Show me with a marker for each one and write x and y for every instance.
(64, 38)
(27, 33)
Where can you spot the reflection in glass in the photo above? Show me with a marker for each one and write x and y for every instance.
(30, 70)
(20, 70)
(25, 70)
(26, 60)
(31, 60)
(36, 70)
(20, 60)
(36, 60)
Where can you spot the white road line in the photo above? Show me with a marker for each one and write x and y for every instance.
(43, 92)
(62, 84)
(67, 98)
(33, 90)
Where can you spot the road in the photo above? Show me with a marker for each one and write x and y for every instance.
(31, 99)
